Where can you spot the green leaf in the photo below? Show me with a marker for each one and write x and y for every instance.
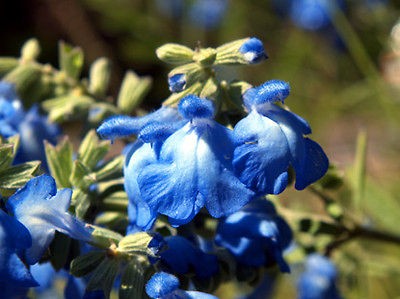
(110, 170)
(135, 244)
(99, 77)
(86, 263)
(92, 150)
(133, 281)
(60, 159)
(104, 237)
(103, 276)
(7, 64)
(116, 201)
(17, 176)
(79, 176)
(6, 155)
(132, 92)
(70, 60)
(67, 107)
(112, 220)
(81, 202)
(24, 77)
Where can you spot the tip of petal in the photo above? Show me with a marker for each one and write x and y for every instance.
(192, 106)
(177, 82)
(269, 92)
(253, 50)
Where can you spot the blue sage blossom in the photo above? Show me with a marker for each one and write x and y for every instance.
(256, 235)
(119, 126)
(163, 285)
(14, 275)
(194, 169)
(32, 127)
(271, 139)
(177, 82)
(183, 257)
(43, 210)
(253, 50)
(318, 281)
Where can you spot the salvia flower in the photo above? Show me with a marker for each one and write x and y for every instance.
(32, 127)
(122, 126)
(43, 210)
(163, 285)
(194, 169)
(314, 14)
(14, 237)
(253, 50)
(271, 139)
(177, 82)
(255, 235)
(318, 281)
(183, 257)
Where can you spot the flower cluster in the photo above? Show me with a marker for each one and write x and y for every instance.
(32, 127)
(38, 210)
(182, 164)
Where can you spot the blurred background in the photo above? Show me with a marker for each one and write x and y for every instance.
(344, 73)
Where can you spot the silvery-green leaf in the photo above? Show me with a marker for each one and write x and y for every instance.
(92, 150)
(103, 276)
(175, 54)
(135, 243)
(99, 77)
(133, 281)
(30, 50)
(16, 176)
(70, 60)
(132, 92)
(86, 263)
(59, 159)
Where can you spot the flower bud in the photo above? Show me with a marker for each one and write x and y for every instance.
(175, 54)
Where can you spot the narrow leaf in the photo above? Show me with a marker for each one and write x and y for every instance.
(85, 264)
(59, 158)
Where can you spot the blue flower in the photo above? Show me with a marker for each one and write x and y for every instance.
(33, 130)
(183, 257)
(314, 14)
(255, 235)
(14, 237)
(194, 169)
(43, 210)
(139, 155)
(318, 281)
(253, 50)
(32, 127)
(270, 139)
(177, 82)
(122, 126)
(11, 110)
(208, 13)
(166, 286)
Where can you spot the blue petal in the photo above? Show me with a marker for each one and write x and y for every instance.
(42, 211)
(177, 82)
(13, 271)
(161, 284)
(140, 213)
(199, 295)
(44, 274)
(269, 92)
(314, 166)
(193, 168)
(181, 257)
(122, 126)
(192, 106)
(253, 50)
(16, 235)
(262, 156)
